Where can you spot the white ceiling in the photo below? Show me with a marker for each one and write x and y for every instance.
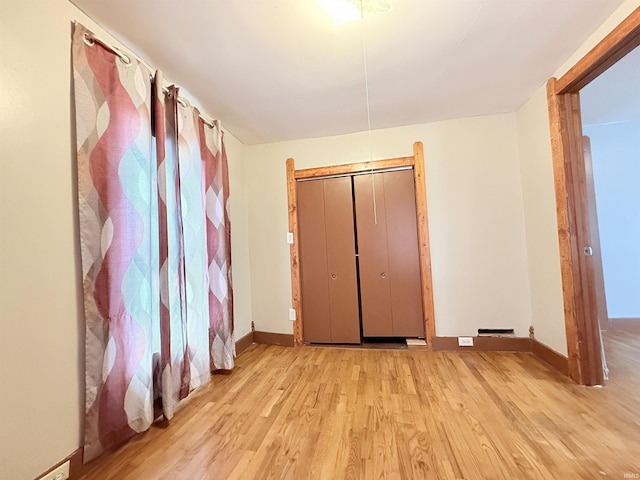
(275, 70)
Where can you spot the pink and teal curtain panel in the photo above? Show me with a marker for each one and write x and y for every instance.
(175, 349)
(222, 346)
(155, 238)
(194, 244)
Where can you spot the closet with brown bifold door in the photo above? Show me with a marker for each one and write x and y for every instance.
(359, 258)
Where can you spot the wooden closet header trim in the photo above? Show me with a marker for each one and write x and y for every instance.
(354, 168)
(357, 174)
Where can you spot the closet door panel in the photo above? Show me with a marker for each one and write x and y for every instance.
(404, 263)
(375, 292)
(341, 261)
(313, 263)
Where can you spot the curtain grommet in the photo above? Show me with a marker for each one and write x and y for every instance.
(87, 39)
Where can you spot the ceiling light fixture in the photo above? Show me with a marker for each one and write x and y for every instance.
(347, 11)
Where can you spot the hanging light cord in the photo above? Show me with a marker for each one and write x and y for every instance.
(366, 91)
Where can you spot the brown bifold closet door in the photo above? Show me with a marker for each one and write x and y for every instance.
(327, 261)
(388, 254)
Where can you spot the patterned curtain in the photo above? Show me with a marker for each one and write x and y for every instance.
(192, 219)
(154, 232)
(173, 370)
(216, 175)
(117, 199)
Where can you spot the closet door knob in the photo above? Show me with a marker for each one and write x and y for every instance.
(383, 274)
(333, 276)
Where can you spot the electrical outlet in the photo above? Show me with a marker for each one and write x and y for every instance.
(290, 238)
(60, 473)
(465, 341)
(292, 314)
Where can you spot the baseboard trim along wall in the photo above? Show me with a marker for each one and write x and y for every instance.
(551, 357)
(507, 344)
(267, 338)
(75, 465)
(243, 343)
(484, 344)
(480, 344)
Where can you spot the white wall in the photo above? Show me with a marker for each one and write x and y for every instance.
(475, 219)
(543, 251)
(615, 150)
(41, 321)
(539, 198)
(238, 215)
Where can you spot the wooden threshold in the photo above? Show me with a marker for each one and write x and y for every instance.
(628, 324)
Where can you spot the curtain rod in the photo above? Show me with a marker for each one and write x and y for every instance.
(185, 103)
(91, 39)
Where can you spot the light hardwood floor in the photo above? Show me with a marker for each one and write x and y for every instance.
(325, 413)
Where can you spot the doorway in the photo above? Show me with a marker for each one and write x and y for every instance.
(610, 107)
(415, 163)
(574, 228)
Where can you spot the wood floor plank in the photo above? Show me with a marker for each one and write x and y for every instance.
(328, 413)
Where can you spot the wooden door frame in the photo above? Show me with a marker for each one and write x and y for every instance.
(416, 162)
(563, 97)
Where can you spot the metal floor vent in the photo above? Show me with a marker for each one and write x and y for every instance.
(496, 332)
